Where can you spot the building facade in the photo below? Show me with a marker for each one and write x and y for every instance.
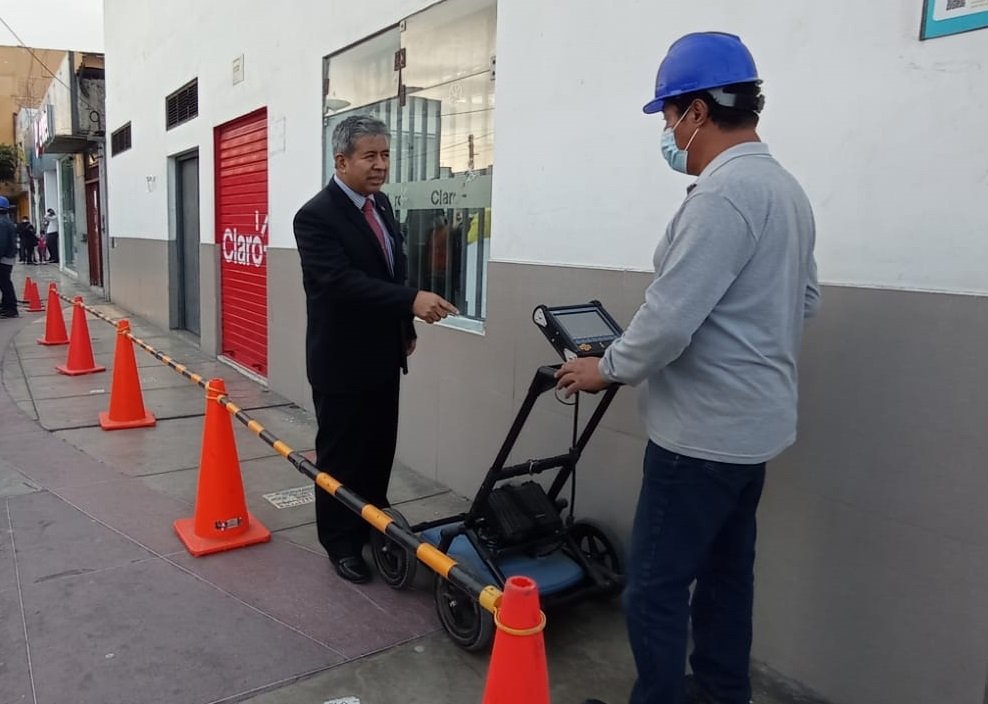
(873, 557)
(24, 78)
(66, 164)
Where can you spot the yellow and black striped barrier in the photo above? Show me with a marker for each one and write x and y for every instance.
(487, 596)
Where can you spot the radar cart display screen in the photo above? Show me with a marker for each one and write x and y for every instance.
(584, 326)
(577, 331)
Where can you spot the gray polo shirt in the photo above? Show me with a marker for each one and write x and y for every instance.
(719, 334)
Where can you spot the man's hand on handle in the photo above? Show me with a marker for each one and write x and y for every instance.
(581, 374)
(431, 307)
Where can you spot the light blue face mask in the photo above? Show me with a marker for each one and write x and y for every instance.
(673, 154)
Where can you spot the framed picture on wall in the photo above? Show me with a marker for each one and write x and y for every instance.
(942, 18)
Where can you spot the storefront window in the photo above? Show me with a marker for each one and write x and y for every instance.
(432, 81)
(362, 80)
(66, 230)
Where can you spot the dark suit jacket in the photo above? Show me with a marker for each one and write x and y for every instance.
(8, 237)
(359, 315)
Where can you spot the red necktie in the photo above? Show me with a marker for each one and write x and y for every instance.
(375, 226)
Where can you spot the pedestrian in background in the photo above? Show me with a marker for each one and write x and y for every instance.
(8, 257)
(27, 240)
(50, 237)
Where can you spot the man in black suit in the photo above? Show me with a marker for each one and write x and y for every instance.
(359, 331)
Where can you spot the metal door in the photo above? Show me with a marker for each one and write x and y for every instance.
(187, 241)
(94, 219)
(242, 236)
(95, 237)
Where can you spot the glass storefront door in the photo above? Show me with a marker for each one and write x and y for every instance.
(67, 228)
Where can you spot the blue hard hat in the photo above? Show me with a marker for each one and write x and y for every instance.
(4, 203)
(702, 61)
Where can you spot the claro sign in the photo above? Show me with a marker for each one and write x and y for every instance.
(246, 248)
(42, 128)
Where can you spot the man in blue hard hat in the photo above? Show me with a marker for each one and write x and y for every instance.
(717, 341)
(8, 257)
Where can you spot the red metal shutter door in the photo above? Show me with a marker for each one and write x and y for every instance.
(242, 236)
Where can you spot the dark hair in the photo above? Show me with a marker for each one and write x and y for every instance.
(743, 115)
(346, 134)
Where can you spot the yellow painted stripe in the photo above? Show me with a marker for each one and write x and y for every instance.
(196, 378)
(166, 359)
(232, 407)
(327, 482)
(281, 448)
(180, 368)
(255, 427)
(376, 517)
(437, 560)
(490, 599)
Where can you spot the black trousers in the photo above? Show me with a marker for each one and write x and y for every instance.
(8, 301)
(355, 443)
(51, 244)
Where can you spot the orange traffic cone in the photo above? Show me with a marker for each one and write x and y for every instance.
(27, 289)
(80, 359)
(221, 520)
(34, 299)
(54, 322)
(126, 401)
(518, 670)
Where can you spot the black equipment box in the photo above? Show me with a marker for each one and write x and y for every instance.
(521, 512)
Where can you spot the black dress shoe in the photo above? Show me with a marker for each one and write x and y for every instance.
(352, 568)
(697, 693)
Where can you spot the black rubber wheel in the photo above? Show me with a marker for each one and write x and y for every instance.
(600, 547)
(468, 625)
(395, 565)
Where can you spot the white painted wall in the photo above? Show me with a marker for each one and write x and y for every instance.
(886, 133)
(52, 199)
(283, 58)
(59, 96)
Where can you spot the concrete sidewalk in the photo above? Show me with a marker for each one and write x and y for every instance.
(101, 604)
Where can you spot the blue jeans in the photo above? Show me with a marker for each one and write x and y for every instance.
(695, 522)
